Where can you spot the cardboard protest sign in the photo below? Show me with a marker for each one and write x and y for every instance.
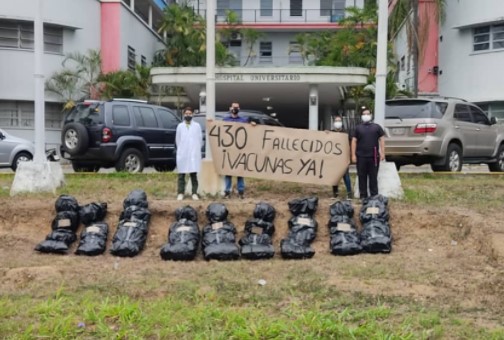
(278, 153)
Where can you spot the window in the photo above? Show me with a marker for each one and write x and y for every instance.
(479, 117)
(295, 56)
(120, 115)
(266, 8)
(168, 119)
(145, 117)
(131, 58)
(296, 8)
(462, 113)
(488, 37)
(20, 35)
(481, 38)
(333, 8)
(222, 7)
(265, 52)
(53, 39)
(143, 60)
(403, 63)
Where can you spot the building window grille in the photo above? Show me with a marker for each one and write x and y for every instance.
(333, 8)
(265, 52)
(131, 58)
(296, 8)
(266, 8)
(20, 35)
(143, 61)
(481, 38)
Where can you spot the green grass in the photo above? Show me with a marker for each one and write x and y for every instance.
(181, 313)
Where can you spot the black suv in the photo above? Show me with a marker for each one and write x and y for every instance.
(122, 133)
(258, 117)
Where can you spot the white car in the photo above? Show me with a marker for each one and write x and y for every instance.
(14, 150)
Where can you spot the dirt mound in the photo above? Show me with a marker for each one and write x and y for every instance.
(440, 253)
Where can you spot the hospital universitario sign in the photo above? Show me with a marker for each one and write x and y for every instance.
(258, 77)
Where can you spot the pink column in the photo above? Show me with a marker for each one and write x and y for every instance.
(110, 36)
(429, 36)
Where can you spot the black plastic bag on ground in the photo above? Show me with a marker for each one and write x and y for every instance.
(92, 213)
(93, 239)
(291, 249)
(219, 240)
(306, 205)
(375, 237)
(136, 197)
(183, 241)
(345, 240)
(257, 242)
(265, 212)
(129, 238)
(66, 203)
(374, 209)
(66, 220)
(341, 208)
(58, 241)
(186, 212)
(216, 212)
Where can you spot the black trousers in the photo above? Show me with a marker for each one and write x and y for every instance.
(181, 183)
(367, 168)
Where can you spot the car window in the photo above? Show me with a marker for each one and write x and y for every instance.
(145, 116)
(413, 109)
(271, 122)
(87, 114)
(479, 117)
(462, 113)
(120, 115)
(168, 119)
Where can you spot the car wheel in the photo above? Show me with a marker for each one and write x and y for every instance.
(21, 157)
(499, 165)
(131, 161)
(164, 167)
(74, 138)
(453, 162)
(79, 167)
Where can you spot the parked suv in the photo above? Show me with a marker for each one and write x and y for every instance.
(122, 133)
(253, 116)
(442, 132)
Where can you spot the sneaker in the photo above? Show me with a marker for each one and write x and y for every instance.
(180, 197)
(227, 194)
(349, 196)
(241, 195)
(195, 197)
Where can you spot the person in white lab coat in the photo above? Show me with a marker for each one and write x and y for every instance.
(188, 141)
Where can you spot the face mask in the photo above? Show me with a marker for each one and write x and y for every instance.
(187, 118)
(366, 118)
(338, 125)
(236, 110)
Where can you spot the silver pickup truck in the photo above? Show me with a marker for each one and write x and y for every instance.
(442, 132)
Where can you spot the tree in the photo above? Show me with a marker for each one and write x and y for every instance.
(78, 79)
(250, 36)
(185, 43)
(405, 12)
(126, 83)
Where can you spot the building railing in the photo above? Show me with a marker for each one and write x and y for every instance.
(279, 15)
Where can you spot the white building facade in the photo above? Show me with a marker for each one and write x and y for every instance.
(471, 54)
(124, 31)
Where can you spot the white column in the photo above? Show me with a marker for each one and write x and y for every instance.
(150, 16)
(210, 68)
(381, 63)
(313, 102)
(132, 5)
(39, 85)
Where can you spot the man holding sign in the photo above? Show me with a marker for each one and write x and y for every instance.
(240, 182)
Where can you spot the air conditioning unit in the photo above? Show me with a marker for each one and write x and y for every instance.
(236, 36)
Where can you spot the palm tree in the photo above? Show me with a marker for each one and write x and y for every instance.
(250, 36)
(127, 83)
(65, 84)
(87, 69)
(405, 13)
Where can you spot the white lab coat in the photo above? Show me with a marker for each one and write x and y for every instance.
(188, 140)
